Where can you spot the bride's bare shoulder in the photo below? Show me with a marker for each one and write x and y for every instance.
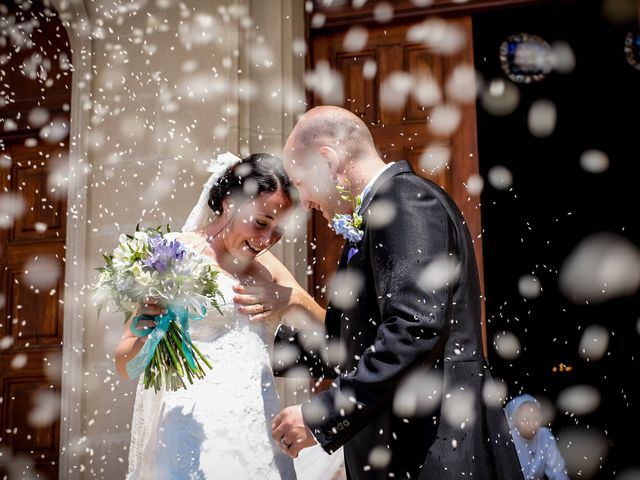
(186, 237)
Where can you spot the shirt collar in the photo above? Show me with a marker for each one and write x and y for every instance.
(368, 186)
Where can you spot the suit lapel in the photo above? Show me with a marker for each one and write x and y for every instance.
(332, 322)
(395, 169)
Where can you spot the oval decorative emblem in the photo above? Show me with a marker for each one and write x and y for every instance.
(525, 58)
(632, 47)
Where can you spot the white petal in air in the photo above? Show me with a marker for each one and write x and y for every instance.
(355, 39)
(426, 91)
(529, 286)
(38, 117)
(55, 131)
(500, 177)
(563, 60)
(369, 68)
(19, 361)
(445, 119)
(583, 450)
(12, 206)
(381, 213)
(6, 342)
(418, 394)
(383, 12)
(326, 82)
(461, 84)
(379, 457)
(475, 184)
(46, 409)
(438, 35)
(601, 267)
(500, 97)
(201, 29)
(459, 408)
(345, 288)
(628, 474)
(395, 89)
(542, 118)
(42, 271)
(439, 273)
(594, 343)
(494, 392)
(579, 399)
(435, 158)
(594, 161)
(507, 345)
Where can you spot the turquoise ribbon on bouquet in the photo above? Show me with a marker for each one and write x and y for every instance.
(137, 364)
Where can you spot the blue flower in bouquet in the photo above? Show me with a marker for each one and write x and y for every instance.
(163, 253)
(345, 224)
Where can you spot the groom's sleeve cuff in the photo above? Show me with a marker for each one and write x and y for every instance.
(330, 427)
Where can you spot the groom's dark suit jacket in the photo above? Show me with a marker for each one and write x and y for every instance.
(396, 328)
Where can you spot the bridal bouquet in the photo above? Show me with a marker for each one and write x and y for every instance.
(148, 263)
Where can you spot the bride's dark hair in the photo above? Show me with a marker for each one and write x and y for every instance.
(258, 173)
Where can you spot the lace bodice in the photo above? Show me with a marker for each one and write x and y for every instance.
(220, 426)
(216, 324)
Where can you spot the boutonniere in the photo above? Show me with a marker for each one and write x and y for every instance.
(349, 224)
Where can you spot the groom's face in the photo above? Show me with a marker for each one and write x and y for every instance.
(312, 177)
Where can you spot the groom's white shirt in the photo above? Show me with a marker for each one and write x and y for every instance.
(373, 179)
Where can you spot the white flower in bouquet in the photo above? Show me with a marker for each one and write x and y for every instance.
(149, 264)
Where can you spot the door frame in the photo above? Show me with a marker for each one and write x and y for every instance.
(71, 434)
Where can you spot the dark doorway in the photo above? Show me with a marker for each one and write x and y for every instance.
(553, 204)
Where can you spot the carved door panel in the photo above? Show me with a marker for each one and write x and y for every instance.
(32, 311)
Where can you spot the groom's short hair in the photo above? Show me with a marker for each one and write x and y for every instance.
(336, 127)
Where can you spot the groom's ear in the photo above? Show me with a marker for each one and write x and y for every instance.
(330, 157)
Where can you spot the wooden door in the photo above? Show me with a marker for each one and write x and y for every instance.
(400, 131)
(33, 157)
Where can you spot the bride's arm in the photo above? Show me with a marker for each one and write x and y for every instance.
(298, 298)
(128, 347)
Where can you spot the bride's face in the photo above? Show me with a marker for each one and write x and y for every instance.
(256, 225)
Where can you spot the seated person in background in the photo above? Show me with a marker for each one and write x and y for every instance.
(536, 446)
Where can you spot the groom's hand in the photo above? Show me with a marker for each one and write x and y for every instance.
(290, 432)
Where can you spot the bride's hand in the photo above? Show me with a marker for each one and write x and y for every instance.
(262, 302)
(151, 307)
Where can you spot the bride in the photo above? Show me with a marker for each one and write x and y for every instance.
(220, 427)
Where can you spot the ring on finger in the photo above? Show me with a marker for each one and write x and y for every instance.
(284, 443)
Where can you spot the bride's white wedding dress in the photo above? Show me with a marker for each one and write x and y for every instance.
(219, 427)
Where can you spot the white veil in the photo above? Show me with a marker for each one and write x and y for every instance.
(199, 216)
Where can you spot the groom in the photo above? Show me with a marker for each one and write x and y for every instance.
(407, 396)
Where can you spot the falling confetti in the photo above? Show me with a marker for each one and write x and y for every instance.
(601, 267)
(594, 343)
(579, 399)
(507, 345)
(529, 286)
(594, 161)
(500, 97)
(542, 118)
(500, 177)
